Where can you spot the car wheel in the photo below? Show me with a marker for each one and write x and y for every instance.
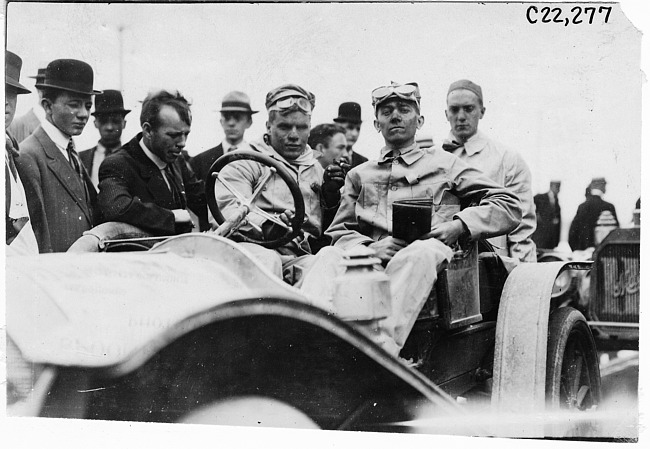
(572, 372)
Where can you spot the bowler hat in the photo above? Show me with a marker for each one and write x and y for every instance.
(71, 75)
(110, 102)
(13, 64)
(349, 112)
(236, 101)
(40, 76)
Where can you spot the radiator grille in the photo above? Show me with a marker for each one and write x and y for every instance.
(616, 295)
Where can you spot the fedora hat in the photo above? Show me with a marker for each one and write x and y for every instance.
(349, 112)
(71, 75)
(110, 102)
(13, 64)
(236, 101)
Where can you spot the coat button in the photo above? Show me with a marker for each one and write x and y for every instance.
(396, 161)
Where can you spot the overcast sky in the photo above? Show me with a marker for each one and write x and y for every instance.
(567, 97)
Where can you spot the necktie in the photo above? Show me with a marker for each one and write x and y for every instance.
(177, 194)
(73, 157)
(451, 146)
(233, 148)
(11, 153)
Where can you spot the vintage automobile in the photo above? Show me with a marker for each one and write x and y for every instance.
(196, 330)
(608, 295)
(612, 296)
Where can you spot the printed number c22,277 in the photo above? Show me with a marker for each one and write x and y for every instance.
(547, 14)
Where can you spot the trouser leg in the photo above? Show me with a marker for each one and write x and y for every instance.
(412, 273)
(266, 257)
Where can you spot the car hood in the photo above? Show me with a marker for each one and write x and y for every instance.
(94, 310)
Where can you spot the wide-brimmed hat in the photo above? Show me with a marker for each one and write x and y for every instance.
(110, 102)
(237, 101)
(13, 64)
(71, 75)
(349, 112)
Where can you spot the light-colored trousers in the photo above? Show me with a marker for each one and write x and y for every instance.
(412, 273)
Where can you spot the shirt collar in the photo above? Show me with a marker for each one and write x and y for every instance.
(474, 144)
(409, 155)
(227, 146)
(58, 137)
(155, 159)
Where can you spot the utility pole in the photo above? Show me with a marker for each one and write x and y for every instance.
(120, 29)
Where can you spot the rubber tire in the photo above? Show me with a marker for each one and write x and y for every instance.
(569, 341)
(298, 201)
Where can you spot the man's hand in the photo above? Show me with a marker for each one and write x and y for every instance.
(333, 180)
(447, 232)
(181, 216)
(273, 231)
(386, 248)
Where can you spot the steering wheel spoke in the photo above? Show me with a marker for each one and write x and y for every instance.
(276, 169)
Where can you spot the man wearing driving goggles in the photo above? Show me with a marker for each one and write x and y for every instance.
(405, 171)
(289, 108)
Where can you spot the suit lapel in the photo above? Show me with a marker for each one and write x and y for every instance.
(64, 172)
(150, 173)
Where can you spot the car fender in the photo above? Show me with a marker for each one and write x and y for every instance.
(521, 336)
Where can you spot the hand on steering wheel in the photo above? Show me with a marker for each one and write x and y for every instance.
(247, 205)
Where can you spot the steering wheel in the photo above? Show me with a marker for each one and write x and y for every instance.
(249, 203)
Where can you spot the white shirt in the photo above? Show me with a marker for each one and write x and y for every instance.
(25, 242)
(98, 157)
(162, 165)
(59, 138)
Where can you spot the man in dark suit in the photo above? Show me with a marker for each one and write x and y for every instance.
(581, 232)
(109, 120)
(20, 238)
(60, 195)
(236, 118)
(146, 183)
(350, 118)
(549, 220)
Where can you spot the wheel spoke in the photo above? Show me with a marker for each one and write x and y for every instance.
(580, 398)
(273, 218)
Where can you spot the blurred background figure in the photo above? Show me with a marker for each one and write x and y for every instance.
(582, 230)
(109, 120)
(350, 119)
(549, 220)
(329, 143)
(236, 118)
(26, 124)
(20, 238)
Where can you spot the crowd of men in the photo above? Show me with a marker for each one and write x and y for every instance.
(57, 196)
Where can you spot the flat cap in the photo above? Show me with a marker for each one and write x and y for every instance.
(286, 91)
(467, 85)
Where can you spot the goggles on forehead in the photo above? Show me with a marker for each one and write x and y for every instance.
(409, 92)
(287, 103)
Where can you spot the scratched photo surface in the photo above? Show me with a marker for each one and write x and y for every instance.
(563, 89)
